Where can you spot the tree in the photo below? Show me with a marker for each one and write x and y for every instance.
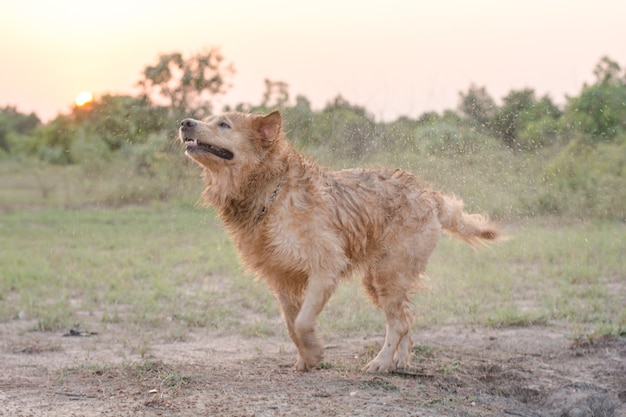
(276, 94)
(508, 119)
(188, 85)
(538, 125)
(428, 117)
(52, 141)
(478, 106)
(12, 122)
(121, 119)
(599, 113)
(299, 120)
(348, 129)
(607, 71)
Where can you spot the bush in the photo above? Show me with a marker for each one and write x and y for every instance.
(539, 133)
(13, 122)
(592, 177)
(599, 112)
(344, 130)
(89, 149)
(448, 138)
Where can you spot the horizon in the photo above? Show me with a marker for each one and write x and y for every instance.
(403, 59)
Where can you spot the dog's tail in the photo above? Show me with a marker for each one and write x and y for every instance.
(475, 229)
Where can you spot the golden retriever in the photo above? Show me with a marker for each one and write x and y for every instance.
(303, 228)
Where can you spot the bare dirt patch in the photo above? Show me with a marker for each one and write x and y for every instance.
(456, 371)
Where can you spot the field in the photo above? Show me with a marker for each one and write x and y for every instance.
(121, 295)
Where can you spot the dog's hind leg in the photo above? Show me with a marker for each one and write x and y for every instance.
(390, 288)
(310, 351)
(403, 353)
(397, 340)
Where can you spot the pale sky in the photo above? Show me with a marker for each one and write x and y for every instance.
(393, 57)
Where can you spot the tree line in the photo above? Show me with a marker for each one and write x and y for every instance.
(178, 86)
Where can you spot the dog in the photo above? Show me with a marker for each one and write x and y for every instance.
(303, 228)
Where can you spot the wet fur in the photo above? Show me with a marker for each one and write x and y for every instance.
(302, 227)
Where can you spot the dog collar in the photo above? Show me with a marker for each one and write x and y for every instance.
(266, 207)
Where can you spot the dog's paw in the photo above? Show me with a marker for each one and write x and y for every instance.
(400, 363)
(300, 365)
(377, 366)
(310, 354)
(304, 366)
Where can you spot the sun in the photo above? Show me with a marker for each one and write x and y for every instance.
(84, 98)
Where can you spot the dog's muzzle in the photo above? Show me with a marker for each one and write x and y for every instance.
(192, 145)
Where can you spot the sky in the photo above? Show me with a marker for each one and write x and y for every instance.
(393, 57)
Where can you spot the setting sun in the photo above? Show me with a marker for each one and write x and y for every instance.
(84, 98)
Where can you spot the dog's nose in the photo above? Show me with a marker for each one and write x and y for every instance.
(188, 124)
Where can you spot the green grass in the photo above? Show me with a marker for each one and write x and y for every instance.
(154, 262)
(114, 183)
(79, 259)
(152, 265)
(546, 272)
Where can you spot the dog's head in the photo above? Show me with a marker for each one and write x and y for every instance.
(224, 139)
(231, 146)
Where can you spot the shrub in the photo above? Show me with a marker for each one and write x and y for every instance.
(593, 177)
(447, 138)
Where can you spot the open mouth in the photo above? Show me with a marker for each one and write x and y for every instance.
(193, 146)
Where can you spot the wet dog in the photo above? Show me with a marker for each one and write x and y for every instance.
(302, 227)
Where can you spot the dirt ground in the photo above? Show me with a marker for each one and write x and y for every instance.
(456, 371)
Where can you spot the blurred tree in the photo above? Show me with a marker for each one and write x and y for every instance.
(508, 120)
(120, 119)
(607, 71)
(591, 167)
(15, 123)
(599, 112)
(450, 135)
(478, 106)
(276, 94)
(398, 136)
(340, 103)
(108, 124)
(523, 122)
(52, 141)
(428, 117)
(348, 129)
(188, 85)
(299, 121)
(538, 125)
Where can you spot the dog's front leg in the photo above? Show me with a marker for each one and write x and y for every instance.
(290, 307)
(310, 351)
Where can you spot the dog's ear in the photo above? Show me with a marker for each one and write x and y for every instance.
(269, 126)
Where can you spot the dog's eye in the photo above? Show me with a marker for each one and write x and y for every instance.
(224, 125)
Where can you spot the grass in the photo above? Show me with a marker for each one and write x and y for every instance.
(114, 183)
(69, 256)
(141, 260)
(566, 272)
